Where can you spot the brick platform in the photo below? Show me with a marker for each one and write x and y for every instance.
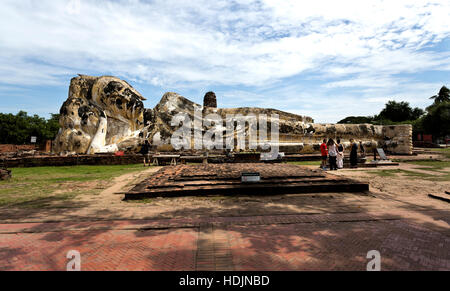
(225, 179)
(277, 242)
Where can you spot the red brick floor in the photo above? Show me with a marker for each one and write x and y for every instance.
(276, 242)
(100, 250)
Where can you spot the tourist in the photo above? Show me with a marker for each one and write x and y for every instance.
(332, 153)
(362, 150)
(144, 151)
(340, 156)
(353, 154)
(324, 152)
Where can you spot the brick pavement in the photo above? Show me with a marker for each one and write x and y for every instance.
(282, 232)
(274, 242)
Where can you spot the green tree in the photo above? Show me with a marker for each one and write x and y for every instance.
(356, 120)
(437, 121)
(399, 111)
(19, 128)
(442, 96)
(417, 113)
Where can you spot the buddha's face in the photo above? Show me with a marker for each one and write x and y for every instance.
(106, 97)
(119, 100)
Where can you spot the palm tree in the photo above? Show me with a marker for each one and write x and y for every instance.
(442, 96)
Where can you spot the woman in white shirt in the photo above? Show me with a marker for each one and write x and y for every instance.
(332, 153)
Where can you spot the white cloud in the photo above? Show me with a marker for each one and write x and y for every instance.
(353, 44)
(238, 42)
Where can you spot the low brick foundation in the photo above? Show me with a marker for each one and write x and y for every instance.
(5, 174)
(109, 159)
(11, 148)
(45, 161)
(225, 179)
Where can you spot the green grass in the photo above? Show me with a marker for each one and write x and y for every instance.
(393, 173)
(432, 165)
(385, 173)
(439, 176)
(441, 168)
(36, 187)
(443, 151)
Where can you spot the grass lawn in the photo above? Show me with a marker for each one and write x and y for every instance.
(444, 151)
(45, 186)
(441, 168)
(393, 173)
(432, 165)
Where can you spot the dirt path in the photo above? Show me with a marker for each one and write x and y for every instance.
(122, 183)
(388, 194)
(125, 182)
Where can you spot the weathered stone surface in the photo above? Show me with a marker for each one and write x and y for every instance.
(172, 103)
(100, 113)
(105, 114)
(12, 148)
(210, 100)
(5, 174)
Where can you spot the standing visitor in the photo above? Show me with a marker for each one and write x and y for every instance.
(340, 156)
(362, 150)
(353, 154)
(324, 152)
(144, 151)
(332, 152)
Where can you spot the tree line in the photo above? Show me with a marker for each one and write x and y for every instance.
(19, 128)
(435, 119)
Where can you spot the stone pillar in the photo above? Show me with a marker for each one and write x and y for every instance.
(5, 174)
(398, 138)
(210, 100)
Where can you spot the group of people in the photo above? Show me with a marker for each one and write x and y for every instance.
(333, 152)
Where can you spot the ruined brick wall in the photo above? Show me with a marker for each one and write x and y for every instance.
(55, 161)
(398, 138)
(11, 148)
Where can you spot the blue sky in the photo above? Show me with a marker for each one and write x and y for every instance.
(325, 59)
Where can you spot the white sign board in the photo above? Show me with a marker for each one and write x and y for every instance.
(271, 156)
(267, 157)
(382, 154)
(250, 177)
(33, 139)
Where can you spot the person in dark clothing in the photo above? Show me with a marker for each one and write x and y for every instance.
(144, 151)
(362, 150)
(353, 154)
